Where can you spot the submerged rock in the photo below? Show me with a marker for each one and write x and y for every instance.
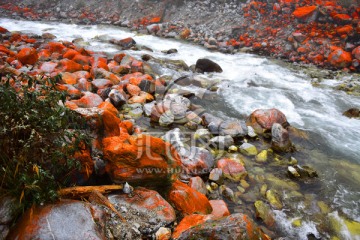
(248, 149)
(235, 226)
(232, 169)
(264, 212)
(280, 140)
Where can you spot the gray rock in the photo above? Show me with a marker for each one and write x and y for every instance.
(117, 98)
(49, 222)
(230, 227)
(234, 128)
(221, 142)
(176, 138)
(197, 162)
(167, 118)
(280, 140)
(148, 107)
(248, 149)
(198, 184)
(216, 175)
(7, 207)
(251, 132)
(202, 136)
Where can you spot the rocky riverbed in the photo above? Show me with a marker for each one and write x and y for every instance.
(203, 174)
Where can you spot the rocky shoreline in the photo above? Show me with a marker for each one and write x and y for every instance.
(323, 33)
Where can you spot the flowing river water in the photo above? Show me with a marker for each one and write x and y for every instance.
(255, 82)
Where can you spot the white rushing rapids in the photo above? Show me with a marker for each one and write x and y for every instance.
(253, 82)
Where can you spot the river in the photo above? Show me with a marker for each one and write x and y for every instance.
(257, 82)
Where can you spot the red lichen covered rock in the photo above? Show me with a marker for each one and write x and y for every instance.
(66, 65)
(188, 222)
(339, 58)
(141, 158)
(89, 100)
(356, 53)
(231, 169)
(187, 200)
(263, 119)
(303, 12)
(220, 209)
(66, 219)
(28, 56)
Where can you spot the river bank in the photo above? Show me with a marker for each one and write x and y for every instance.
(251, 175)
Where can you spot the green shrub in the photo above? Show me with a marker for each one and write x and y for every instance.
(38, 137)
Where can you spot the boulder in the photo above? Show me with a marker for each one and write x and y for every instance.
(306, 13)
(198, 184)
(352, 113)
(220, 209)
(234, 128)
(196, 162)
(356, 53)
(221, 142)
(340, 58)
(280, 140)
(117, 98)
(28, 56)
(88, 100)
(125, 43)
(63, 220)
(231, 169)
(206, 65)
(187, 200)
(262, 119)
(141, 159)
(148, 203)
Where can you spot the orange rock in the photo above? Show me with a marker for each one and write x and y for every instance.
(55, 47)
(28, 56)
(356, 53)
(89, 100)
(220, 209)
(263, 119)
(142, 159)
(3, 30)
(44, 54)
(137, 66)
(70, 54)
(303, 12)
(81, 59)
(66, 65)
(71, 105)
(185, 33)
(340, 59)
(133, 90)
(344, 29)
(188, 222)
(68, 78)
(342, 17)
(187, 200)
(118, 57)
